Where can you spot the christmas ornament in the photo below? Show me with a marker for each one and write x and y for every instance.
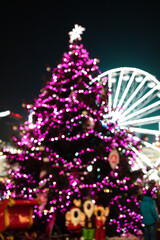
(113, 158)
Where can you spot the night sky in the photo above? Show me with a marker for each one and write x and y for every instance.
(34, 34)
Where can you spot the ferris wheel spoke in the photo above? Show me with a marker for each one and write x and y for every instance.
(143, 158)
(134, 93)
(153, 174)
(148, 100)
(142, 115)
(144, 131)
(142, 121)
(141, 100)
(126, 90)
(140, 164)
(141, 93)
(144, 111)
(118, 89)
(134, 104)
(110, 95)
(149, 145)
(157, 162)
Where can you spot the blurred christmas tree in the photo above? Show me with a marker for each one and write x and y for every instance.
(68, 151)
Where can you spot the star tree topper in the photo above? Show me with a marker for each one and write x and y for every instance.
(76, 33)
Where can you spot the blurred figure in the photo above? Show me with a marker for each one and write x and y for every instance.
(150, 216)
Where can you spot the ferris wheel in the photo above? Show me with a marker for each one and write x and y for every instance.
(134, 103)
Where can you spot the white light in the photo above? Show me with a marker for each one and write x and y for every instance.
(113, 80)
(126, 90)
(118, 89)
(31, 126)
(139, 79)
(76, 33)
(30, 117)
(157, 162)
(149, 145)
(143, 130)
(5, 113)
(154, 176)
(151, 84)
(134, 93)
(153, 107)
(74, 184)
(2, 157)
(141, 99)
(89, 168)
(110, 95)
(144, 158)
(130, 103)
(126, 77)
(142, 121)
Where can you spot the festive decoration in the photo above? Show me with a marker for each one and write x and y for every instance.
(74, 221)
(65, 147)
(101, 215)
(88, 230)
(16, 214)
(113, 158)
(76, 33)
(77, 202)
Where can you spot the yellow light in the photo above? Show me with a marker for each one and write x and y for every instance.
(106, 190)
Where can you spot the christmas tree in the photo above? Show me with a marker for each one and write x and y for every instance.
(68, 151)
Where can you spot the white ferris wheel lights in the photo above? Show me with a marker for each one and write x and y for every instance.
(139, 164)
(157, 163)
(126, 78)
(142, 121)
(126, 90)
(141, 99)
(133, 98)
(110, 95)
(113, 80)
(153, 107)
(143, 157)
(151, 84)
(147, 144)
(145, 131)
(134, 94)
(118, 89)
(139, 79)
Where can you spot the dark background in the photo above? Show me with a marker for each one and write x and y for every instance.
(34, 34)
